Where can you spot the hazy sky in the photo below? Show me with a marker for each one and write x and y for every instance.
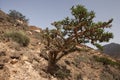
(43, 12)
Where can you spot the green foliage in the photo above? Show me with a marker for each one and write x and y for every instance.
(62, 40)
(99, 46)
(82, 29)
(17, 15)
(106, 61)
(19, 37)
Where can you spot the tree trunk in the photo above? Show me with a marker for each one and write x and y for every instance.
(51, 66)
(52, 62)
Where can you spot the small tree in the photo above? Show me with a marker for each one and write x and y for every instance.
(62, 40)
(17, 15)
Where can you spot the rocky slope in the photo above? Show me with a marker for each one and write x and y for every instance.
(25, 63)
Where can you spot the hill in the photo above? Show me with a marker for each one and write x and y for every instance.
(18, 62)
(112, 49)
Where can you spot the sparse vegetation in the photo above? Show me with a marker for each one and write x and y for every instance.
(62, 40)
(79, 59)
(62, 73)
(109, 73)
(17, 16)
(19, 37)
(106, 61)
(78, 77)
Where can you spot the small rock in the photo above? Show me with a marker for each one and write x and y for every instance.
(14, 71)
(1, 66)
(14, 57)
(25, 58)
(13, 61)
(2, 53)
(67, 62)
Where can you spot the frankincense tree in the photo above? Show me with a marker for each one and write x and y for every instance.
(67, 33)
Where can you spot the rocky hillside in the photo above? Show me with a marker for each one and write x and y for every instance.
(25, 63)
(112, 49)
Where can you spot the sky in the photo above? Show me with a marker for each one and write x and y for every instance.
(42, 13)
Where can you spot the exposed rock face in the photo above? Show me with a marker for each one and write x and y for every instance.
(22, 68)
(23, 71)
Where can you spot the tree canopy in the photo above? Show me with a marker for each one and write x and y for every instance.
(82, 28)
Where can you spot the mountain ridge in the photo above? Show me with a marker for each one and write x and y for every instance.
(112, 49)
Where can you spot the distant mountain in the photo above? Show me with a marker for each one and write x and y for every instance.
(112, 49)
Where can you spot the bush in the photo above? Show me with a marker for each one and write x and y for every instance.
(17, 15)
(18, 37)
